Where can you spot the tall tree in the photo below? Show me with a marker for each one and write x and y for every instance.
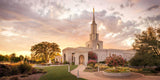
(46, 49)
(147, 42)
(147, 48)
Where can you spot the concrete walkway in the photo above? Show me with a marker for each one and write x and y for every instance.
(100, 76)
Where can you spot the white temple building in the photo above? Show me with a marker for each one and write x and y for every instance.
(80, 55)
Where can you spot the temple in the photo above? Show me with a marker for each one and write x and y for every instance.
(79, 55)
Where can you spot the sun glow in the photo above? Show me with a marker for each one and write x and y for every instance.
(101, 27)
(128, 42)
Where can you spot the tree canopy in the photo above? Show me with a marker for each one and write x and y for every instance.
(45, 50)
(147, 45)
(11, 58)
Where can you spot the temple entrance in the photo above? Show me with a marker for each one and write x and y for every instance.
(81, 59)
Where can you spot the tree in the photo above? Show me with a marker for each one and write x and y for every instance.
(45, 49)
(13, 58)
(7, 58)
(2, 58)
(158, 31)
(21, 57)
(147, 48)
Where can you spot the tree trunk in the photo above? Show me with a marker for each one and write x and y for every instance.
(46, 58)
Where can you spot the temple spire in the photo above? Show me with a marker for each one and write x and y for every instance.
(93, 16)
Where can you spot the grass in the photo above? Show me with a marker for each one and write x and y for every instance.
(59, 73)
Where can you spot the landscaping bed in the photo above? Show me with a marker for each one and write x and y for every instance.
(117, 65)
(117, 71)
(18, 71)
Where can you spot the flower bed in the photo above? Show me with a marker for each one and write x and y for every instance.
(94, 68)
(118, 70)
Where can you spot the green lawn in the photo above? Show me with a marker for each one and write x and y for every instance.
(59, 73)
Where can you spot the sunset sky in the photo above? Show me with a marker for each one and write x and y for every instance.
(24, 23)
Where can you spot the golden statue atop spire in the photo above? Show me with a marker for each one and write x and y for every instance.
(93, 10)
(93, 16)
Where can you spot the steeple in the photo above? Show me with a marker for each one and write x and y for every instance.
(93, 25)
(94, 42)
(93, 16)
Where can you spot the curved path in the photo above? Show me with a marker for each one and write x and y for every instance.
(100, 76)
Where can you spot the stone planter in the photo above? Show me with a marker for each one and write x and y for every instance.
(117, 74)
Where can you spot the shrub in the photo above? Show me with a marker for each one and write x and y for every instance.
(146, 70)
(88, 67)
(103, 67)
(92, 63)
(65, 62)
(14, 70)
(92, 55)
(115, 61)
(149, 70)
(145, 60)
(103, 62)
(153, 71)
(5, 70)
(73, 63)
(24, 68)
(133, 70)
(96, 65)
(157, 69)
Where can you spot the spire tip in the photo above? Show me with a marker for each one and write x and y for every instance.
(93, 16)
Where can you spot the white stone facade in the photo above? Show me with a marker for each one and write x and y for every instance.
(80, 55)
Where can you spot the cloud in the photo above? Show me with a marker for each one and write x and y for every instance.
(117, 13)
(152, 7)
(32, 24)
(80, 1)
(34, 9)
(128, 3)
(151, 21)
(40, 29)
(121, 6)
(111, 9)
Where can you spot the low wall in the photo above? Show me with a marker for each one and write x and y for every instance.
(117, 74)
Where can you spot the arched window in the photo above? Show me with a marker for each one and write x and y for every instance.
(98, 47)
(88, 45)
(73, 57)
